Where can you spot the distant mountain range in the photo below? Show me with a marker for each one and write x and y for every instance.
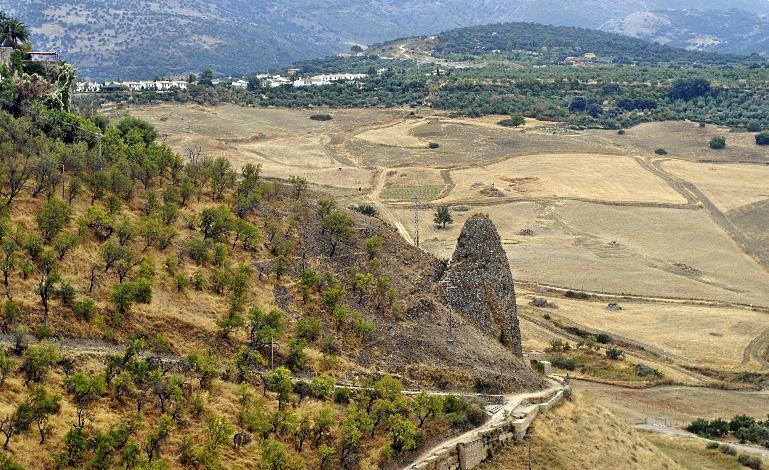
(142, 39)
(734, 31)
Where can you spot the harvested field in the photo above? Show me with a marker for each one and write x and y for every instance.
(463, 145)
(753, 221)
(688, 141)
(580, 176)
(284, 142)
(729, 186)
(398, 135)
(712, 337)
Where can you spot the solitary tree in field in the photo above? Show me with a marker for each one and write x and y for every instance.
(443, 216)
(718, 143)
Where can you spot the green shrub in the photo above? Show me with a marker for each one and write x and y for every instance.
(603, 338)
(84, 309)
(321, 117)
(642, 370)
(727, 449)
(754, 126)
(365, 209)
(614, 353)
(762, 138)
(309, 329)
(750, 461)
(516, 120)
(559, 345)
(718, 143)
(342, 395)
(562, 362)
(482, 385)
(181, 282)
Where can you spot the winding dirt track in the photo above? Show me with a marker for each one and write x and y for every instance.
(382, 208)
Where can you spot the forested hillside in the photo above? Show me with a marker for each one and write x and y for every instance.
(556, 43)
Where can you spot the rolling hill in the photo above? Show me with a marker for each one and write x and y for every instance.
(141, 39)
(734, 31)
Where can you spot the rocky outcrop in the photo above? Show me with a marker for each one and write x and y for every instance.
(479, 282)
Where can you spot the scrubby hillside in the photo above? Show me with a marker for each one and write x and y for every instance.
(163, 311)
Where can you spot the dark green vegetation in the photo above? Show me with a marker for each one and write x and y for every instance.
(586, 358)
(745, 428)
(610, 93)
(513, 41)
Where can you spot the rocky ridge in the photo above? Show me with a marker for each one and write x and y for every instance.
(479, 282)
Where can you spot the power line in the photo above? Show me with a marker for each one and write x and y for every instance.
(416, 221)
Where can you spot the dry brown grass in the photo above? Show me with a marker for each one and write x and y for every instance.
(635, 250)
(582, 176)
(704, 336)
(678, 404)
(691, 454)
(582, 434)
(688, 141)
(729, 186)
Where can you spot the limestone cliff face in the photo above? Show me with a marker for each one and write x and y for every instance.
(479, 282)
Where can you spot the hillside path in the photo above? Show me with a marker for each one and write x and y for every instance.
(384, 211)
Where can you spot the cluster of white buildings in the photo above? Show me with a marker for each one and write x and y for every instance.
(272, 81)
(145, 85)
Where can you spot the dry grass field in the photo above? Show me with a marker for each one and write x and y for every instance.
(692, 453)
(729, 186)
(686, 140)
(647, 251)
(714, 337)
(678, 405)
(600, 217)
(398, 135)
(608, 178)
(582, 434)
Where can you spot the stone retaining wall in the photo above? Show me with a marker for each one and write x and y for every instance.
(479, 447)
